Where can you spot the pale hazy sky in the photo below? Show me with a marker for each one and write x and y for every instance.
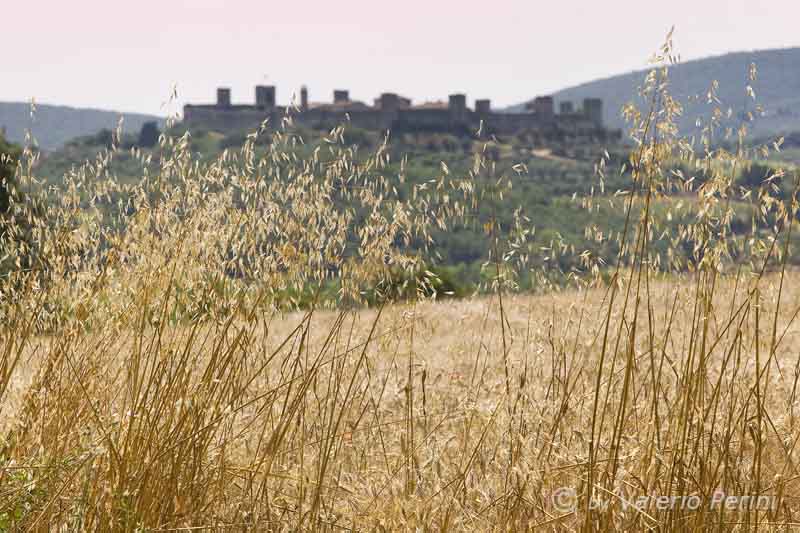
(127, 55)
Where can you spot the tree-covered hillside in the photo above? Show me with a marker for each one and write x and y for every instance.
(52, 126)
(776, 88)
(549, 181)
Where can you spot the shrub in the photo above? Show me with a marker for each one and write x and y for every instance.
(9, 155)
(148, 136)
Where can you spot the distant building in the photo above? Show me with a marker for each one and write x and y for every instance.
(391, 111)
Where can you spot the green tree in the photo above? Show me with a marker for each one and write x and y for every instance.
(9, 154)
(148, 137)
(104, 137)
(753, 176)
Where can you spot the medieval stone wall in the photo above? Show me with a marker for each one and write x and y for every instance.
(328, 118)
(392, 112)
(233, 118)
(427, 120)
(510, 123)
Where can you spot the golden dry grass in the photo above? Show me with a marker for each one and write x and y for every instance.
(416, 420)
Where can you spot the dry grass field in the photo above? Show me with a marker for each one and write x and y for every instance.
(172, 356)
(428, 415)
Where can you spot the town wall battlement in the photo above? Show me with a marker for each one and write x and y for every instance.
(393, 112)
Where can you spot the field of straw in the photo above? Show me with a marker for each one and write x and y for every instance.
(256, 344)
(426, 415)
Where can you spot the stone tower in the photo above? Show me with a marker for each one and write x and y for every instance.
(483, 107)
(223, 97)
(265, 96)
(593, 109)
(304, 98)
(457, 105)
(341, 96)
(389, 102)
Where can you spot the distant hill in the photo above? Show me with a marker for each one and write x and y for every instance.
(777, 89)
(52, 126)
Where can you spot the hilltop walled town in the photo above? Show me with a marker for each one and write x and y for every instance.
(393, 112)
